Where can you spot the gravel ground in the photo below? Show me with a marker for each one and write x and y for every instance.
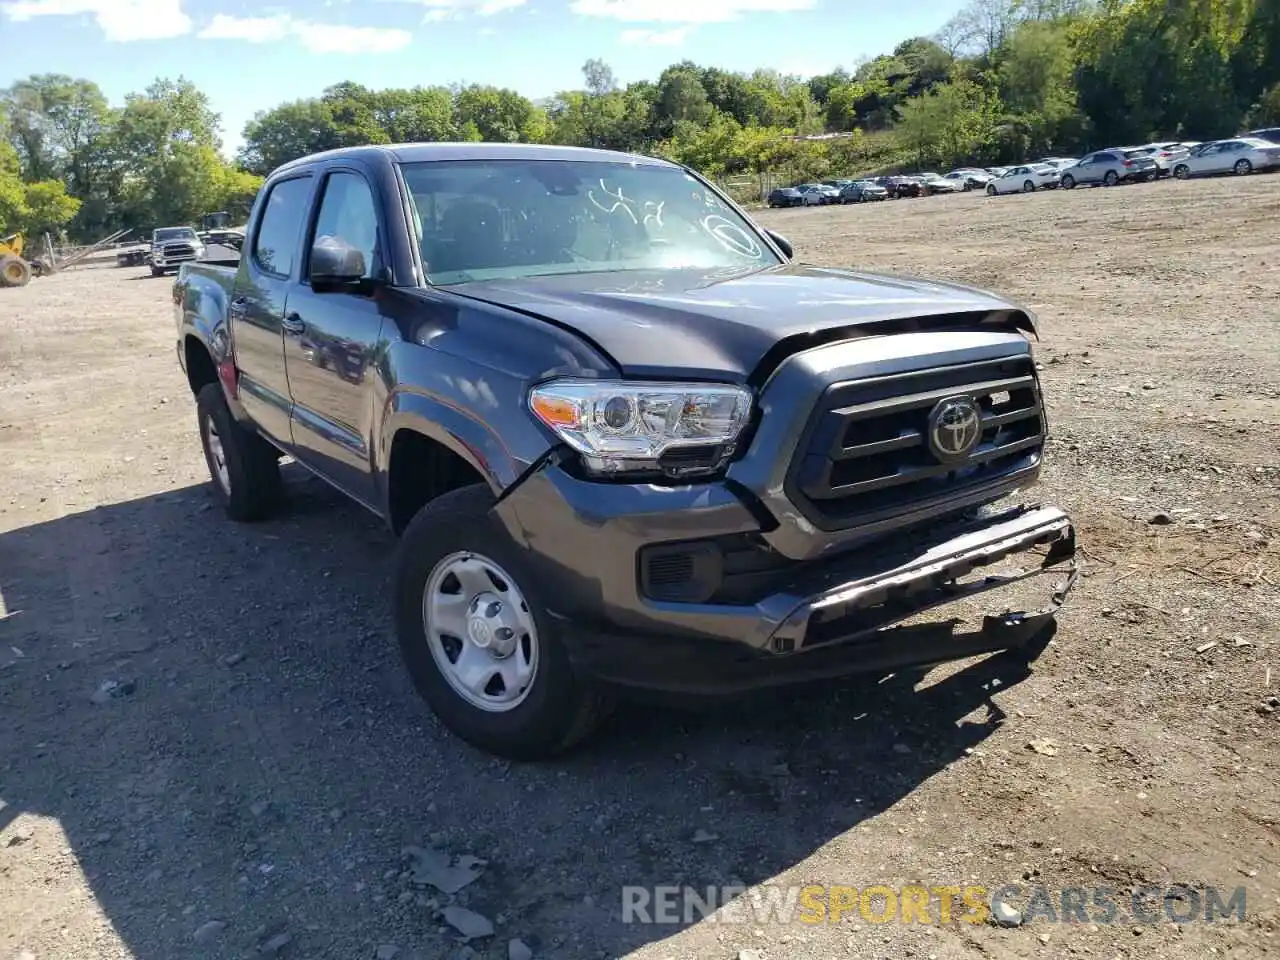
(250, 784)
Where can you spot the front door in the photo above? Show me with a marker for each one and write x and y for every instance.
(331, 342)
(256, 310)
(1088, 170)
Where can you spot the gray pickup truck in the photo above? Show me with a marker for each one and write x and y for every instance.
(624, 439)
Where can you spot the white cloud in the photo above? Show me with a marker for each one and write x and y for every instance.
(248, 29)
(334, 38)
(315, 37)
(657, 38)
(684, 11)
(454, 9)
(120, 20)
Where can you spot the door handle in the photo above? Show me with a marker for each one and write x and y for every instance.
(238, 307)
(293, 324)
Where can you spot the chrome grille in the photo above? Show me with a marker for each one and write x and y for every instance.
(865, 455)
(178, 250)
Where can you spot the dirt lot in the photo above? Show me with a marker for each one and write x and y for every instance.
(250, 785)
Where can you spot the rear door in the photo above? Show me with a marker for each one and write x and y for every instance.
(332, 339)
(268, 264)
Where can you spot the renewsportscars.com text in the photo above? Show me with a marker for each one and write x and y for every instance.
(941, 904)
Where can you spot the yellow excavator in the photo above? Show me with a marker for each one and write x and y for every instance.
(14, 270)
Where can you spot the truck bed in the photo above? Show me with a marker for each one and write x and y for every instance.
(219, 272)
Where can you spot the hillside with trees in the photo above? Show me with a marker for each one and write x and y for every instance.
(1002, 81)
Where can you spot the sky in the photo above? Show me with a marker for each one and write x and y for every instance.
(249, 56)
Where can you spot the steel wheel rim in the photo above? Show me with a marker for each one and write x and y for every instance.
(217, 456)
(480, 631)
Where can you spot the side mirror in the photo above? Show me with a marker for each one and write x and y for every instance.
(335, 263)
(783, 244)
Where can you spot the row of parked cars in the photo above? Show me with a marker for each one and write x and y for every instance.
(1255, 151)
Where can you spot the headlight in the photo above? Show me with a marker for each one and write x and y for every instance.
(676, 429)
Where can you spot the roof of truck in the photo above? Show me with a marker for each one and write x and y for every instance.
(427, 152)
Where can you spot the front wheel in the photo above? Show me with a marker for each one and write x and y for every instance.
(245, 468)
(1182, 171)
(1068, 182)
(991, 190)
(1243, 168)
(476, 639)
(14, 272)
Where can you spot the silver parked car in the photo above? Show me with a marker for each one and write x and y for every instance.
(1111, 166)
(1241, 155)
(861, 191)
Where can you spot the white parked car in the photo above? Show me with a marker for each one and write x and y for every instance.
(1167, 154)
(969, 178)
(1025, 179)
(1241, 155)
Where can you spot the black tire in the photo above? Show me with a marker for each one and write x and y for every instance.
(1028, 186)
(1243, 168)
(991, 190)
(1182, 172)
(157, 271)
(14, 272)
(561, 708)
(1068, 182)
(252, 465)
(1111, 178)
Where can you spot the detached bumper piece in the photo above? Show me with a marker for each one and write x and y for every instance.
(853, 609)
(859, 625)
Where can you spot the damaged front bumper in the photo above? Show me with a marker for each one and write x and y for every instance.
(862, 615)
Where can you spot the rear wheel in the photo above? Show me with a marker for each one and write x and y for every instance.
(14, 272)
(1028, 186)
(245, 468)
(475, 636)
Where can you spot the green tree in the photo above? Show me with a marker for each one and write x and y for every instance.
(951, 123)
(287, 132)
(495, 114)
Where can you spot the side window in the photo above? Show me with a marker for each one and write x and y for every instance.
(276, 243)
(348, 213)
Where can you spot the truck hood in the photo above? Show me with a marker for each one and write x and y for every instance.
(722, 325)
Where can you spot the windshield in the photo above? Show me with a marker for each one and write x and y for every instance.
(174, 233)
(504, 219)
